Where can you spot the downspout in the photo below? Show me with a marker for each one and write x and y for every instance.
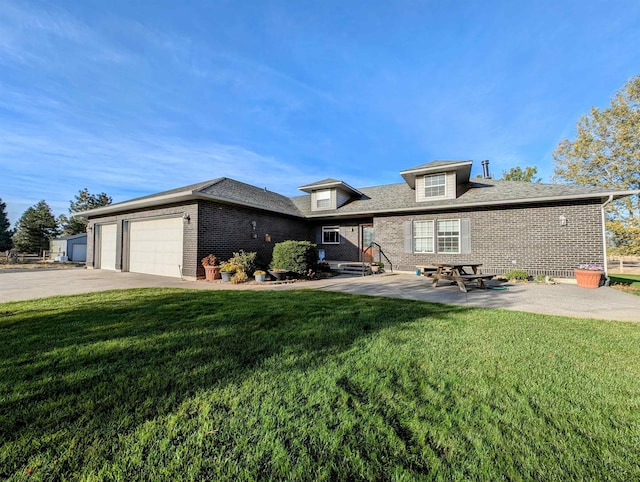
(604, 239)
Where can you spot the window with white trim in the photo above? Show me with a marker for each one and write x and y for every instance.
(434, 185)
(330, 234)
(423, 236)
(448, 236)
(323, 199)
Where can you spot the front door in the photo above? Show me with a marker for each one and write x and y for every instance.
(366, 241)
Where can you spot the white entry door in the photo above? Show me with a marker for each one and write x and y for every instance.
(155, 246)
(107, 243)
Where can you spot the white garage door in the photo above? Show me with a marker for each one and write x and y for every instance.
(107, 233)
(155, 246)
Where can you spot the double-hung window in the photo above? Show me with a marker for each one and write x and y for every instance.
(448, 236)
(330, 234)
(323, 199)
(434, 185)
(438, 236)
(423, 237)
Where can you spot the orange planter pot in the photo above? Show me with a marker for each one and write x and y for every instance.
(211, 273)
(588, 278)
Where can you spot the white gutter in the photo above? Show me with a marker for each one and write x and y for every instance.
(604, 237)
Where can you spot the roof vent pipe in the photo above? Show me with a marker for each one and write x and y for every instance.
(485, 169)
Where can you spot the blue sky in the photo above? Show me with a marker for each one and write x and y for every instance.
(135, 97)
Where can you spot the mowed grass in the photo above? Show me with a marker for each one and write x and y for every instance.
(626, 282)
(300, 385)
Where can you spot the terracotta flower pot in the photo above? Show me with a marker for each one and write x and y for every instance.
(588, 278)
(211, 273)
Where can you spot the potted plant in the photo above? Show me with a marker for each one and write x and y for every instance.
(278, 273)
(588, 275)
(227, 270)
(377, 267)
(211, 266)
(259, 275)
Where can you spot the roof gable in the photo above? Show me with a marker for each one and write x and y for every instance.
(461, 168)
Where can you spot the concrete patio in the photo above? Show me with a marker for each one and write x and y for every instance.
(561, 299)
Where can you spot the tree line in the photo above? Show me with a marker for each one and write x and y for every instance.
(38, 226)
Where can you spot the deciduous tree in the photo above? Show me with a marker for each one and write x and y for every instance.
(518, 174)
(606, 153)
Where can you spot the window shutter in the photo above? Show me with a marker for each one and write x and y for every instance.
(318, 235)
(408, 237)
(465, 236)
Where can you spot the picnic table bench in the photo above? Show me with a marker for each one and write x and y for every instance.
(459, 273)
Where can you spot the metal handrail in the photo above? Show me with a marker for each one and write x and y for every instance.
(380, 254)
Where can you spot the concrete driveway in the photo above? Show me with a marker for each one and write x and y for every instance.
(561, 299)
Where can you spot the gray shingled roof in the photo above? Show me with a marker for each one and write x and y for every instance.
(387, 198)
(247, 195)
(481, 192)
(434, 164)
(221, 189)
(328, 180)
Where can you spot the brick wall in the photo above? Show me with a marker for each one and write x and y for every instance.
(224, 229)
(348, 249)
(532, 236)
(190, 233)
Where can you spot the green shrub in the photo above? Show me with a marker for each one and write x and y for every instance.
(239, 277)
(296, 256)
(228, 267)
(244, 261)
(517, 274)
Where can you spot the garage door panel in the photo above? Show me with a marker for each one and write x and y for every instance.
(108, 246)
(155, 246)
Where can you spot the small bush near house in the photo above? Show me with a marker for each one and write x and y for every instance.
(244, 261)
(299, 257)
(239, 277)
(517, 275)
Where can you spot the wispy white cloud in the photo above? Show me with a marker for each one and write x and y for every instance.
(55, 168)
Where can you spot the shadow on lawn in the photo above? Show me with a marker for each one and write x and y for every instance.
(119, 359)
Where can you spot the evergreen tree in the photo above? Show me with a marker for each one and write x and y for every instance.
(5, 233)
(84, 201)
(35, 228)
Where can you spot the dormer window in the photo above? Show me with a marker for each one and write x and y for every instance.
(323, 199)
(435, 185)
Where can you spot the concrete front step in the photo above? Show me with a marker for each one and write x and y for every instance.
(353, 268)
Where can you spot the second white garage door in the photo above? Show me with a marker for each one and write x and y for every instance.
(107, 236)
(155, 246)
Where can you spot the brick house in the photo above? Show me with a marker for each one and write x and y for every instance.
(438, 214)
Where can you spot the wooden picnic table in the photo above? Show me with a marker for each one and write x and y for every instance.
(459, 273)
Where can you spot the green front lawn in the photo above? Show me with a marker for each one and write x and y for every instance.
(232, 385)
(626, 282)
